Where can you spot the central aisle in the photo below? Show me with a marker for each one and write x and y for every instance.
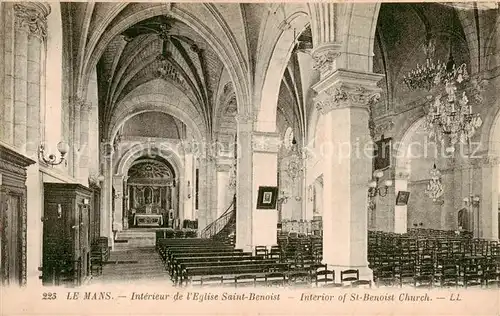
(134, 260)
(133, 265)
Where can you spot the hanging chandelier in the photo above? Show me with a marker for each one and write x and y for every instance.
(232, 176)
(450, 110)
(434, 188)
(294, 163)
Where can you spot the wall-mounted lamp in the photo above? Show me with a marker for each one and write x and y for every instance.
(59, 211)
(374, 187)
(282, 198)
(63, 149)
(472, 200)
(189, 190)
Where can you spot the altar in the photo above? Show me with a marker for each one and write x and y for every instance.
(148, 220)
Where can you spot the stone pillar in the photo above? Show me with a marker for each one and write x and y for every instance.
(83, 159)
(343, 98)
(489, 204)
(126, 202)
(118, 211)
(223, 197)
(203, 201)
(106, 193)
(264, 173)
(212, 189)
(189, 183)
(401, 176)
(25, 33)
(244, 197)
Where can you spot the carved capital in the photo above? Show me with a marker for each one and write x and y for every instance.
(266, 142)
(325, 56)
(382, 127)
(337, 97)
(344, 88)
(223, 167)
(485, 161)
(32, 17)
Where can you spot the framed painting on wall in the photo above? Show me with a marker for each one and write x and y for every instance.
(382, 154)
(402, 198)
(267, 197)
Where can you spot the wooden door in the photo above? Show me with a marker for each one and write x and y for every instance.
(10, 239)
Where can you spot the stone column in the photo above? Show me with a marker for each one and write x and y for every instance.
(244, 197)
(203, 201)
(83, 159)
(118, 217)
(488, 204)
(189, 183)
(25, 34)
(106, 193)
(126, 202)
(343, 99)
(212, 189)
(264, 173)
(223, 198)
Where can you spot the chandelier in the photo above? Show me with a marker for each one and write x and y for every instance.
(434, 188)
(294, 164)
(232, 176)
(450, 109)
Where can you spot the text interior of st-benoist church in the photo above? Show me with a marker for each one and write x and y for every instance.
(336, 145)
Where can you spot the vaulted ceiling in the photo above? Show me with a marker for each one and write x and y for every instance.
(159, 47)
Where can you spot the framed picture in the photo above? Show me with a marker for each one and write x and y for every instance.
(382, 154)
(402, 197)
(267, 197)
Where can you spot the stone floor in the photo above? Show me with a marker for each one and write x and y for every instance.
(134, 260)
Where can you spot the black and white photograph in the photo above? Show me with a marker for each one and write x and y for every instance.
(249, 158)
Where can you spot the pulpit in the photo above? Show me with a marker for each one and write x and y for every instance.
(67, 230)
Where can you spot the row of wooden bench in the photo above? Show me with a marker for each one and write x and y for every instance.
(186, 260)
(201, 261)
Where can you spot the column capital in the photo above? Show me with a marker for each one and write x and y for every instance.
(266, 142)
(382, 127)
(485, 161)
(245, 118)
(32, 17)
(325, 57)
(345, 88)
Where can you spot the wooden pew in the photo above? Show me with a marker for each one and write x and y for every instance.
(181, 267)
(230, 271)
(172, 263)
(171, 252)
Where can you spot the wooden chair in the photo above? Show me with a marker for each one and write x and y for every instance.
(299, 278)
(449, 276)
(349, 275)
(325, 277)
(385, 276)
(261, 251)
(275, 279)
(423, 281)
